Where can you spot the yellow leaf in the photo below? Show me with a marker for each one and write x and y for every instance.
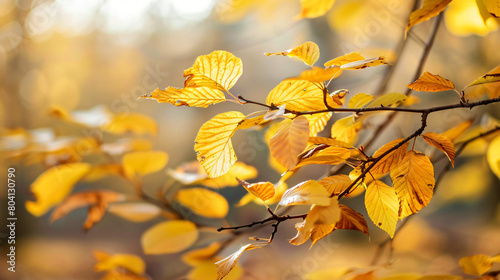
(391, 160)
(203, 202)
(101, 171)
(493, 89)
(346, 129)
(336, 184)
(493, 7)
(306, 193)
(413, 180)
(280, 189)
(329, 155)
(362, 64)
(290, 140)
(318, 75)
(359, 100)
(191, 97)
(218, 70)
(208, 270)
(298, 95)
(320, 219)
(478, 22)
(196, 256)
(262, 190)
(319, 231)
(135, 211)
(169, 237)
(345, 59)
(302, 235)
(441, 143)
(455, 132)
(97, 201)
(226, 265)
(130, 262)
(382, 206)
(476, 265)
(213, 146)
(430, 8)
(317, 122)
(251, 122)
(388, 100)
(314, 8)
(144, 162)
(307, 52)
(328, 141)
(431, 83)
(486, 79)
(239, 169)
(131, 122)
(350, 219)
(493, 156)
(53, 185)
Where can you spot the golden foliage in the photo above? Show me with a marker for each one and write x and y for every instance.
(307, 53)
(345, 59)
(144, 162)
(191, 97)
(226, 265)
(203, 202)
(261, 190)
(290, 140)
(382, 206)
(169, 237)
(441, 143)
(431, 83)
(307, 192)
(429, 9)
(392, 159)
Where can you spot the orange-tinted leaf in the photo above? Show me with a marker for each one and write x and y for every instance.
(362, 64)
(329, 155)
(318, 75)
(336, 184)
(350, 219)
(431, 83)
(430, 8)
(476, 265)
(307, 52)
(106, 262)
(203, 202)
(262, 190)
(213, 146)
(307, 192)
(226, 265)
(191, 97)
(302, 235)
(391, 160)
(97, 201)
(382, 206)
(290, 140)
(315, 8)
(413, 180)
(169, 237)
(345, 59)
(217, 70)
(457, 131)
(441, 143)
(299, 95)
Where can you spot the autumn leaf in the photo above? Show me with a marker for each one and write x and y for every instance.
(193, 257)
(307, 53)
(213, 146)
(329, 155)
(345, 59)
(430, 8)
(290, 140)
(441, 143)
(318, 75)
(299, 95)
(169, 237)
(318, 232)
(251, 122)
(413, 180)
(493, 7)
(261, 190)
(280, 189)
(455, 132)
(362, 64)
(106, 262)
(352, 220)
(476, 265)
(328, 141)
(314, 8)
(53, 185)
(493, 156)
(226, 265)
(144, 162)
(431, 83)
(131, 122)
(485, 79)
(218, 70)
(346, 129)
(359, 100)
(306, 193)
(392, 159)
(388, 100)
(97, 202)
(382, 206)
(203, 202)
(191, 97)
(135, 211)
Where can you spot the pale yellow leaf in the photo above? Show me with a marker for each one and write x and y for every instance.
(203, 202)
(476, 265)
(226, 265)
(53, 185)
(388, 100)
(307, 52)
(493, 7)
(318, 75)
(329, 155)
(191, 97)
(169, 237)
(261, 190)
(441, 143)
(429, 9)
(391, 160)
(135, 211)
(307, 192)
(213, 146)
(493, 156)
(477, 23)
(431, 83)
(362, 64)
(347, 58)
(101, 171)
(382, 206)
(314, 8)
(359, 100)
(486, 79)
(346, 129)
(302, 235)
(218, 70)
(144, 162)
(106, 262)
(299, 95)
(290, 140)
(413, 180)
(336, 184)
(455, 132)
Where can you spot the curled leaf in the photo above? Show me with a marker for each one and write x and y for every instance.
(307, 192)
(226, 265)
(261, 190)
(429, 9)
(307, 52)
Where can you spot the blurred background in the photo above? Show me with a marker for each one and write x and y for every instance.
(76, 55)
